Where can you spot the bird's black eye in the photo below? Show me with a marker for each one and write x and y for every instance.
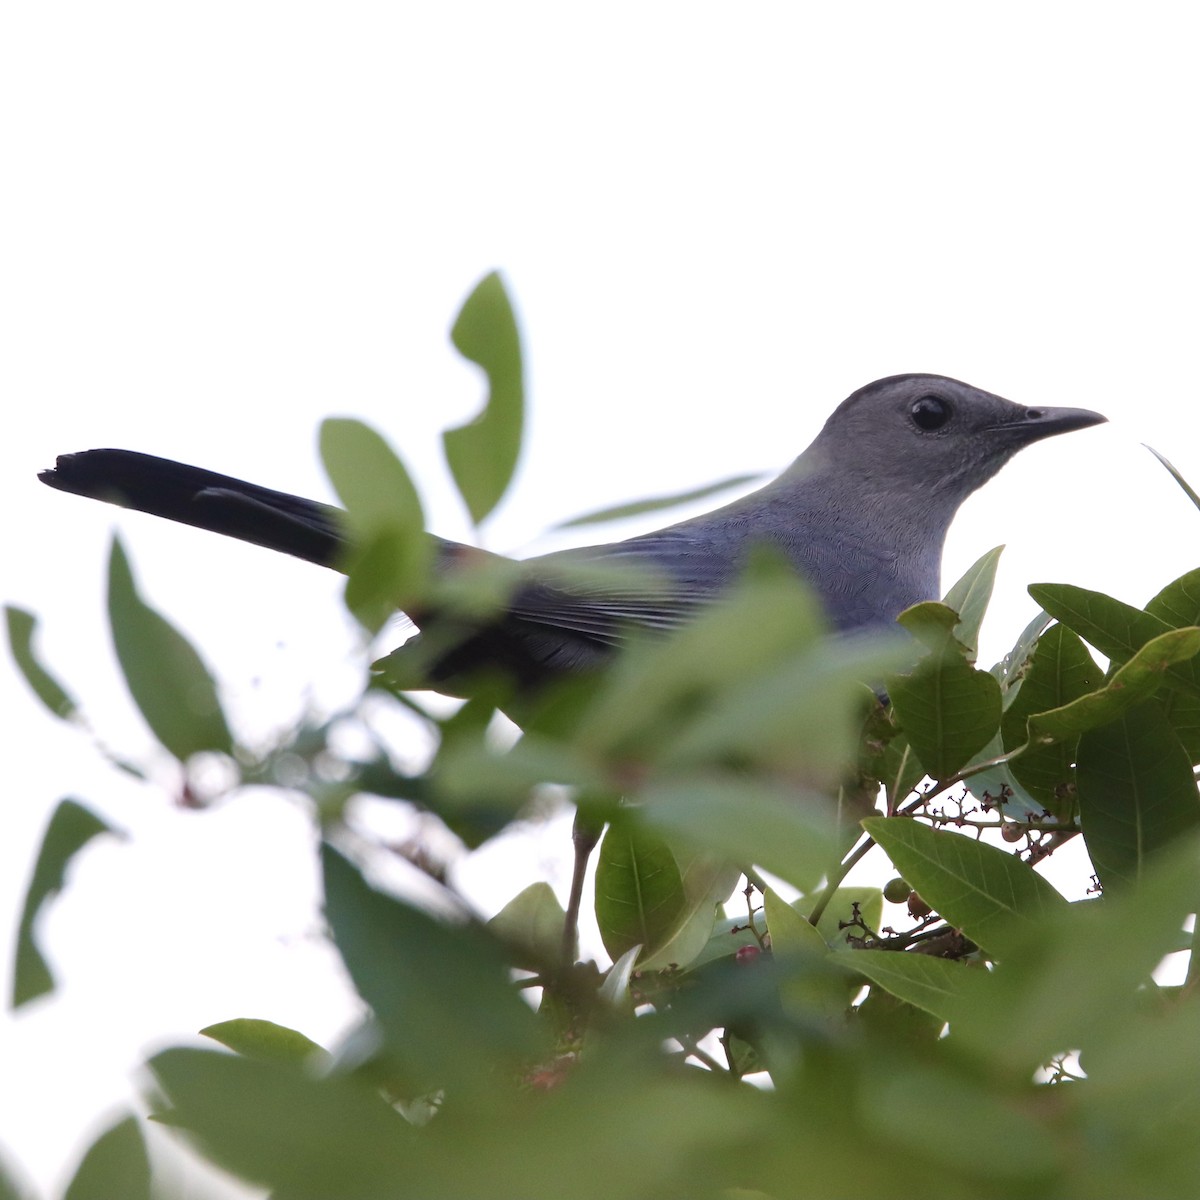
(930, 412)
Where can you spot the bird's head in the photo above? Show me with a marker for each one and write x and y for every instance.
(933, 433)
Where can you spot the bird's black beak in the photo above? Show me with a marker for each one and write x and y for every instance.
(1033, 424)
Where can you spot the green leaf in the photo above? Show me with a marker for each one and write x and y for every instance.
(1137, 793)
(1132, 682)
(1074, 979)
(1116, 629)
(841, 908)
(791, 932)
(272, 1123)
(483, 453)
(116, 1164)
(792, 835)
(928, 983)
(969, 598)
(255, 1038)
(71, 828)
(13, 1185)
(531, 924)
(988, 894)
(1060, 671)
(405, 963)
(639, 890)
(800, 716)
(949, 712)
(21, 627)
(1188, 490)
(902, 771)
(1178, 604)
(389, 559)
(637, 508)
(168, 680)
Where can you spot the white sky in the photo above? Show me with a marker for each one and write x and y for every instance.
(220, 223)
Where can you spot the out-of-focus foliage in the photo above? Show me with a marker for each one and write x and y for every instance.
(763, 1029)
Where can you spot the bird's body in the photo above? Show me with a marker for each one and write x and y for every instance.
(862, 515)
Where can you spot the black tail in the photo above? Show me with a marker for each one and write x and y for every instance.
(276, 520)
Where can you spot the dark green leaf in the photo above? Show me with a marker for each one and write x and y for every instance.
(1137, 793)
(1178, 604)
(115, 1165)
(405, 963)
(988, 894)
(167, 678)
(1132, 682)
(483, 453)
(1116, 629)
(21, 627)
(1060, 671)
(71, 828)
(969, 598)
(270, 1122)
(255, 1038)
(640, 898)
(636, 508)
(948, 710)
(902, 771)
(390, 555)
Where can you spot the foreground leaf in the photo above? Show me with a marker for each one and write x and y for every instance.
(167, 679)
(71, 828)
(21, 627)
(116, 1164)
(483, 453)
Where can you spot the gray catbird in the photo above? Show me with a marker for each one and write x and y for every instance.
(862, 515)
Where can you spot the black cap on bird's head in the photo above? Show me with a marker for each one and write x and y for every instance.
(947, 433)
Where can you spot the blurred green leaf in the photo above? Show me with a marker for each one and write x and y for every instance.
(987, 893)
(1073, 980)
(640, 899)
(748, 821)
(1060, 671)
(115, 1165)
(637, 508)
(931, 984)
(970, 596)
(902, 771)
(656, 689)
(1116, 629)
(255, 1038)
(13, 1186)
(71, 827)
(389, 559)
(22, 626)
(1131, 683)
(168, 680)
(800, 716)
(406, 964)
(483, 453)
(531, 924)
(1137, 793)
(272, 1123)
